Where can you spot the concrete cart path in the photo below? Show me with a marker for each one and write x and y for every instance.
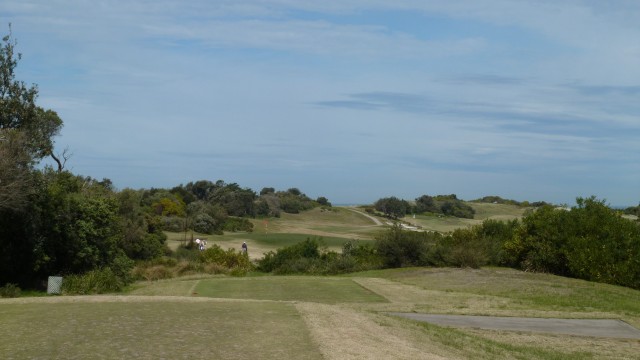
(583, 327)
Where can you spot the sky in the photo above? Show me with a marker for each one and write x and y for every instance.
(352, 100)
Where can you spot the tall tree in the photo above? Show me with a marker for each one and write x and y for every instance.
(26, 136)
(26, 130)
(18, 109)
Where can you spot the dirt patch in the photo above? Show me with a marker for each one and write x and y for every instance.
(344, 334)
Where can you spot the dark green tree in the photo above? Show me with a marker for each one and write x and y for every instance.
(392, 207)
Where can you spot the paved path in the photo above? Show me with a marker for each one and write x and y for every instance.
(583, 327)
(375, 220)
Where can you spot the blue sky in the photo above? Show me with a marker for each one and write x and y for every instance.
(352, 100)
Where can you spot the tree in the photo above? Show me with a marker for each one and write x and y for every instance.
(18, 109)
(392, 207)
(425, 203)
(15, 175)
(26, 136)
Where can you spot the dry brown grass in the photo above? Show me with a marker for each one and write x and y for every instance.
(345, 334)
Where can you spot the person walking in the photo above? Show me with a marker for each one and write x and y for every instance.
(244, 247)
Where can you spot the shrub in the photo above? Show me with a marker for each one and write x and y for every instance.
(284, 259)
(152, 272)
(230, 259)
(467, 249)
(93, 282)
(234, 224)
(10, 291)
(187, 253)
(364, 255)
(173, 223)
(400, 248)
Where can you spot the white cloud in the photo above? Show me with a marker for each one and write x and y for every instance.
(515, 88)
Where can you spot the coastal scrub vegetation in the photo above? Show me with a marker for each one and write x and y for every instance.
(54, 222)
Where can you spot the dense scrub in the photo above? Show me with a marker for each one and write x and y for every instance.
(590, 241)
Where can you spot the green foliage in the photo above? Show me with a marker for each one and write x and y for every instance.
(603, 246)
(426, 203)
(10, 290)
(75, 224)
(401, 248)
(230, 259)
(392, 207)
(234, 224)
(539, 244)
(169, 207)
(98, 281)
(306, 258)
(457, 208)
(206, 218)
(466, 248)
(591, 242)
(363, 255)
(18, 109)
(173, 223)
(448, 205)
(284, 259)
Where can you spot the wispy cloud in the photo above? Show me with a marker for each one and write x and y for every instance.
(412, 95)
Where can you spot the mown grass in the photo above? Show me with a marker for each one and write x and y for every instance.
(484, 211)
(531, 290)
(154, 330)
(288, 288)
(255, 317)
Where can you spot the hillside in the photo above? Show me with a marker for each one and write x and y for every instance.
(338, 225)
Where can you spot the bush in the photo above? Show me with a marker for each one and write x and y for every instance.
(306, 258)
(152, 272)
(230, 259)
(93, 282)
(234, 224)
(10, 291)
(401, 248)
(467, 249)
(364, 255)
(173, 223)
(284, 259)
(187, 253)
(204, 223)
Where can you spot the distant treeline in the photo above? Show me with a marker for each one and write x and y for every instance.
(446, 205)
(213, 207)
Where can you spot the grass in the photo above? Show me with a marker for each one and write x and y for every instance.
(476, 347)
(335, 227)
(154, 330)
(315, 317)
(282, 240)
(530, 290)
(483, 211)
(328, 317)
(288, 288)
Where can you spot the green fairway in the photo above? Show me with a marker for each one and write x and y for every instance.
(328, 290)
(154, 330)
(283, 240)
